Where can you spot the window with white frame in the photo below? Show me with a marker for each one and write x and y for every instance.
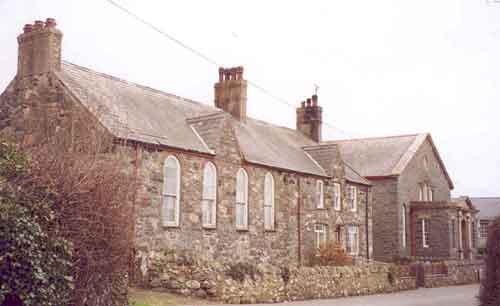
(337, 198)
(171, 191)
(425, 233)
(209, 196)
(319, 194)
(483, 228)
(352, 240)
(403, 226)
(269, 202)
(352, 197)
(321, 234)
(241, 200)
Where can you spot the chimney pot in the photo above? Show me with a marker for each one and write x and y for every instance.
(227, 74)
(303, 104)
(50, 23)
(28, 28)
(315, 100)
(240, 73)
(221, 74)
(39, 25)
(309, 102)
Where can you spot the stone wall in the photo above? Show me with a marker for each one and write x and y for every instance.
(458, 273)
(264, 283)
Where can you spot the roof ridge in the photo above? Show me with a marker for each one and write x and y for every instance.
(485, 197)
(214, 115)
(114, 78)
(370, 138)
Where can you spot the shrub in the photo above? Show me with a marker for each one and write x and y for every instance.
(35, 262)
(331, 254)
(240, 270)
(490, 281)
(92, 190)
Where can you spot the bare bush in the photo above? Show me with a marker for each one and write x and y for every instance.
(331, 254)
(91, 181)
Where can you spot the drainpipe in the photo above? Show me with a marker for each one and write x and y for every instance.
(366, 226)
(299, 204)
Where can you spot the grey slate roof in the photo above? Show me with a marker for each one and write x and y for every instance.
(384, 156)
(489, 208)
(144, 114)
(375, 156)
(136, 112)
(327, 155)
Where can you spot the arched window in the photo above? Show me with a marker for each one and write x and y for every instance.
(209, 196)
(241, 200)
(171, 191)
(403, 226)
(269, 202)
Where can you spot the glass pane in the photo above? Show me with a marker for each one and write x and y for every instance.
(171, 177)
(169, 209)
(268, 217)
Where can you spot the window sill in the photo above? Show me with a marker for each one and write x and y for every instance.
(270, 230)
(171, 226)
(241, 229)
(209, 227)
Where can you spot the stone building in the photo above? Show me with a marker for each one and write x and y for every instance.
(489, 210)
(413, 212)
(214, 182)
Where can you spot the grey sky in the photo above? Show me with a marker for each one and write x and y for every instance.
(384, 67)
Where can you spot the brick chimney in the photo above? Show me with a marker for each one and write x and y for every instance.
(39, 48)
(231, 92)
(309, 118)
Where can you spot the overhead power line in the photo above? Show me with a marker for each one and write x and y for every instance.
(208, 59)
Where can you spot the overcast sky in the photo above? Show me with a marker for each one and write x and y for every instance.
(383, 67)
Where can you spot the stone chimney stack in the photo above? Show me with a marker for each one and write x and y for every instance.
(309, 118)
(231, 92)
(39, 48)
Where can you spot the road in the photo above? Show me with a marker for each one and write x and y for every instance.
(447, 296)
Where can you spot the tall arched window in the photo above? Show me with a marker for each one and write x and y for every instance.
(403, 226)
(269, 202)
(209, 196)
(241, 199)
(171, 191)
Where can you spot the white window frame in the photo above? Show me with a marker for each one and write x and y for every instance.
(177, 195)
(241, 200)
(430, 196)
(425, 234)
(421, 192)
(352, 240)
(337, 196)
(352, 198)
(484, 228)
(321, 231)
(320, 199)
(269, 206)
(403, 225)
(209, 195)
